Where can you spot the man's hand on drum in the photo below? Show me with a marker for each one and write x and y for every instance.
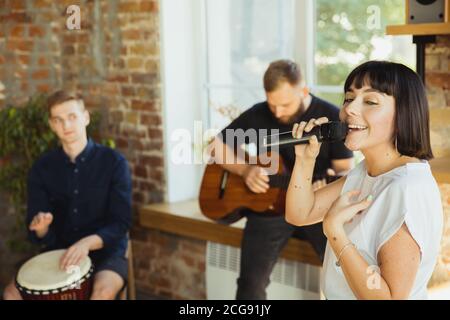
(40, 223)
(75, 254)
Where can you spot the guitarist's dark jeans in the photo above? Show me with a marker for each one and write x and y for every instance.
(265, 235)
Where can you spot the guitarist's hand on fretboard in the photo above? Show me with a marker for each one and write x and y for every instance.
(256, 179)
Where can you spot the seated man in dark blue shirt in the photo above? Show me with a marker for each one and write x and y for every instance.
(79, 198)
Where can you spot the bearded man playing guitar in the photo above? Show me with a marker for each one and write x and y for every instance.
(266, 233)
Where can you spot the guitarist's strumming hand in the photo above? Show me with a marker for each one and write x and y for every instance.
(256, 179)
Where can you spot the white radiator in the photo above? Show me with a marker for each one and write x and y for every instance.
(290, 280)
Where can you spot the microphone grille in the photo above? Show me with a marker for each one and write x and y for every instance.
(334, 131)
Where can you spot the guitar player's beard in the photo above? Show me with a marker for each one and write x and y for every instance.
(294, 118)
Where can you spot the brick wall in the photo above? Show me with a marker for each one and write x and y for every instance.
(438, 89)
(441, 272)
(170, 266)
(113, 60)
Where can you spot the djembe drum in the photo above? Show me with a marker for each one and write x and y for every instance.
(41, 278)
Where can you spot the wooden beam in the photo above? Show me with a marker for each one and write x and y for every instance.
(447, 11)
(406, 11)
(420, 29)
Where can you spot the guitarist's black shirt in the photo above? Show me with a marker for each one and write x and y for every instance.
(260, 117)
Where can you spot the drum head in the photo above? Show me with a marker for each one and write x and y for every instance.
(42, 272)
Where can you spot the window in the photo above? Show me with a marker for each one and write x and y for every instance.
(215, 52)
(351, 32)
(242, 38)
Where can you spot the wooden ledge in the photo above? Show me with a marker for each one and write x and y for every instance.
(419, 29)
(185, 219)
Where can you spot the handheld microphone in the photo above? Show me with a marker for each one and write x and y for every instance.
(333, 131)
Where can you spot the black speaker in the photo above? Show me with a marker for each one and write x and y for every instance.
(426, 11)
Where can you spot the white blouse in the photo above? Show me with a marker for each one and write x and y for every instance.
(408, 194)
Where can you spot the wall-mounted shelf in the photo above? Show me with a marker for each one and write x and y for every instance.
(422, 29)
(423, 33)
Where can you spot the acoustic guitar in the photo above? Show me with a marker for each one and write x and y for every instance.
(223, 194)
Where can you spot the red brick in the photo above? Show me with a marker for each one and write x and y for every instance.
(154, 134)
(146, 186)
(151, 161)
(24, 59)
(149, 6)
(152, 66)
(144, 78)
(44, 88)
(122, 143)
(70, 50)
(129, 7)
(17, 31)
(132, 118)
(17, 5)
(156, 174)
(20, 45)
(42, 3)
(15, 17)
(153, 145)
(110, 89)
(40, 74)
(36, 31)
(42, 61)
(146, 93)
(437, 79)
(143, 50)
(143, 105)
(118, 78)
(135, 63)
(119, 64)
(141, 171)
(128, 91)
(150, 120)
(70, 38)
(133, 34)
(2, 59)
(83, 37)
(193, 247)
(188, 260)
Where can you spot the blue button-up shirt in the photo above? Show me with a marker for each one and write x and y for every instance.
(89, 196)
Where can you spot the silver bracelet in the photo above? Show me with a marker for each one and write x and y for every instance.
(338, 261)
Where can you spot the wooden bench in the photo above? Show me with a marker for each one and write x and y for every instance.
(185, 219)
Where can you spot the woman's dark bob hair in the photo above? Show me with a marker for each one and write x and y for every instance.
(411, 131)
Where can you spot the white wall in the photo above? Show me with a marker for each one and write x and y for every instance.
(181, 32)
